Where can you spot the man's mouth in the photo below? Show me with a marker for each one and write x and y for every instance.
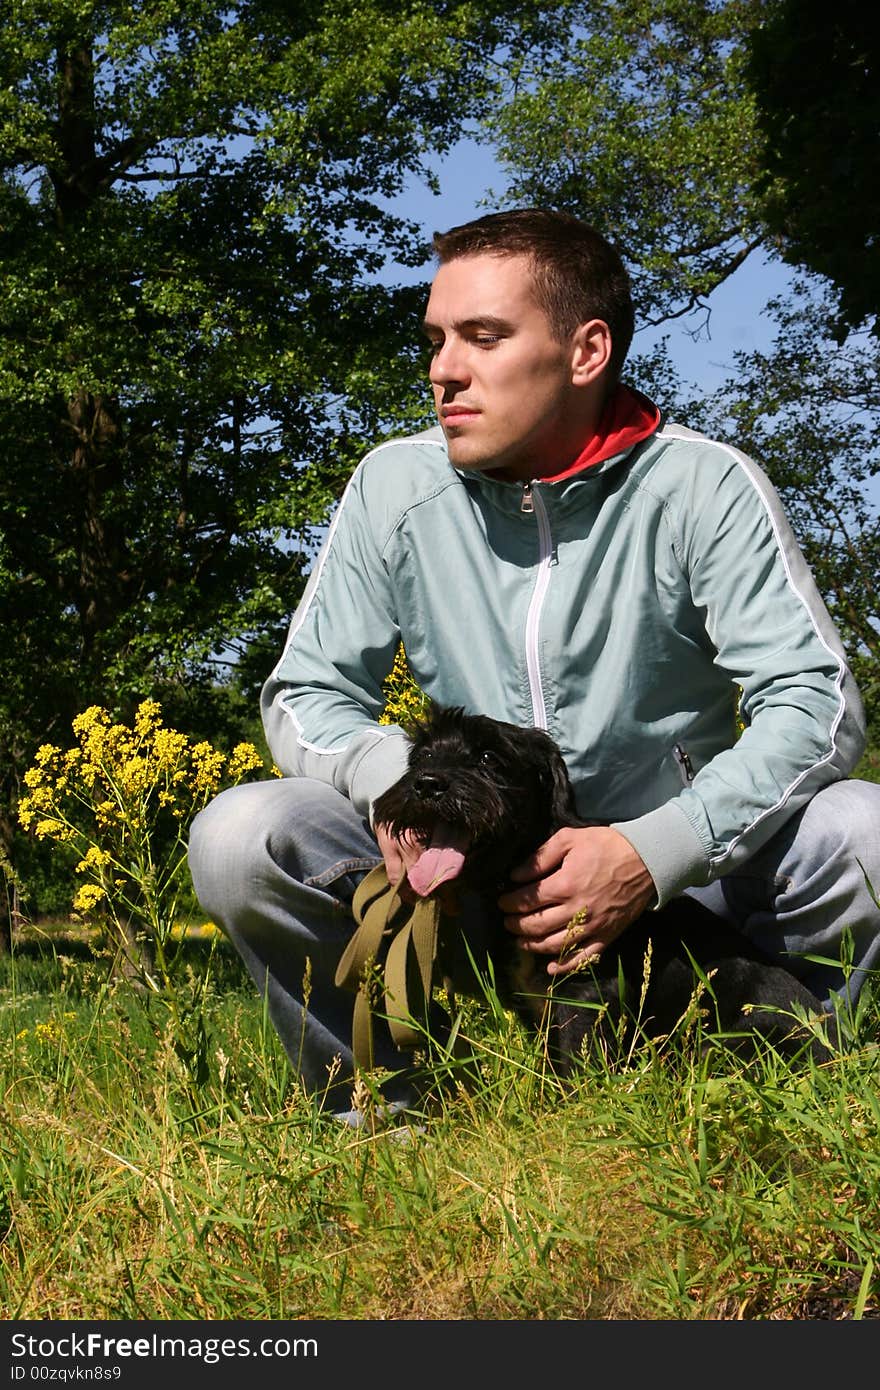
(452, 415)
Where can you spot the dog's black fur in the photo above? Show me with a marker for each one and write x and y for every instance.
(507, 789)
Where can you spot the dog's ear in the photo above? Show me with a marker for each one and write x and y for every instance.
(562, 802)
(543, 752)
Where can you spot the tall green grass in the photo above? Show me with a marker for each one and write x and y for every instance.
(143, 1180)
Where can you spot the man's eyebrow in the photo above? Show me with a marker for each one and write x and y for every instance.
(487, 322)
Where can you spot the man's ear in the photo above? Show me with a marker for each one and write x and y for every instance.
(591, 352)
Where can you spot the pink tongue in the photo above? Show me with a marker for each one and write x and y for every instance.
(441, 861)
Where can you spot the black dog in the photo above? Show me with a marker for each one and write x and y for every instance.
(483, 795)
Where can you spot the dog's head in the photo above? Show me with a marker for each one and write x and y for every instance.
(481, 794)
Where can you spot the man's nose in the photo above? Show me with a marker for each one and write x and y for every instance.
(448, 364)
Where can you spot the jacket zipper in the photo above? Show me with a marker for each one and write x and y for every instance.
(533, 502)
(685, 766)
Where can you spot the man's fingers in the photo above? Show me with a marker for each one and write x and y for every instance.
(566, 964)
(558, 930)
(398, 851)
(545, 859)
(537, 897)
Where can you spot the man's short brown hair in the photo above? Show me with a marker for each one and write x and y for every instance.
(578, 275)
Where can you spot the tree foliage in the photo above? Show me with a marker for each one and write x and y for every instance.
(815, 71)
(194, 344)
(635, 115)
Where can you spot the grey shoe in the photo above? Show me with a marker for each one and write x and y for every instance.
(390, 1119)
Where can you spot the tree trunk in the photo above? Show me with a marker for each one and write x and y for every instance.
(12, 917)
(79, 180)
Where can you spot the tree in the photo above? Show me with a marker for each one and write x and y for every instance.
(635, 115)
(815, 73)
(193, 341)
(640, 116)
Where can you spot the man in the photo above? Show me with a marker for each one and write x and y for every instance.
(556, 554)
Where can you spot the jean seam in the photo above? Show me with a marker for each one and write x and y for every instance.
(359, 864)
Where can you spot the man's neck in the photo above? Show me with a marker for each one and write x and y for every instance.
(626, 419)
(556, 454)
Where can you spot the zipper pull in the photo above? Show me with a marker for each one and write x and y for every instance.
(684, 763)
(527, 505)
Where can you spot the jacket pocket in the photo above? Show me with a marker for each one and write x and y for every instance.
(685, 767)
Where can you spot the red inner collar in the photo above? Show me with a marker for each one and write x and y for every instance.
(628, 418)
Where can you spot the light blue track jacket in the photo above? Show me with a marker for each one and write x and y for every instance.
(622, 609)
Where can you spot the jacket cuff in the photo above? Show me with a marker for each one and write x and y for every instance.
(670, 849)
(383, 762)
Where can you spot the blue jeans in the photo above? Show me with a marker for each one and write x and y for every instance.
(276, 863)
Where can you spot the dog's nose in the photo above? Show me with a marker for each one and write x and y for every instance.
(429, 784)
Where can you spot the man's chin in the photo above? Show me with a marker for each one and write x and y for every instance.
(463, 454)
(475, 463)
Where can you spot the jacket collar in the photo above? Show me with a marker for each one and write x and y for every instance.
(628, 418)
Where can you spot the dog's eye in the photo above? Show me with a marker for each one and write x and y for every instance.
(487, 759)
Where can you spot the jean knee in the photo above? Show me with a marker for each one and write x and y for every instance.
(224, 845)
(844, 821)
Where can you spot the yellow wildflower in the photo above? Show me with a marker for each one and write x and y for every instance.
(95, 859)
(169, 747)
(119, 744)
(116, 796)
(135, 776)
(88, 897)
(404, 700)
(243, 758)
(95, 714)
(46, 753)
(207, 766)
(40, 801)
(52, 829)
(89, 718)
(147, 717)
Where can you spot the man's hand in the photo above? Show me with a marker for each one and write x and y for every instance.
(579, 891)
(400, 853)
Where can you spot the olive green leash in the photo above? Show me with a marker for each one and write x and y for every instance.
(406, 934)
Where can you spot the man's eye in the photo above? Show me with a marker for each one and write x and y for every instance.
(488, 340)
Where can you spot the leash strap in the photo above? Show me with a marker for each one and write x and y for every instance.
(413, 932)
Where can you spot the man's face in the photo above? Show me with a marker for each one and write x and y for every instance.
(502, 383)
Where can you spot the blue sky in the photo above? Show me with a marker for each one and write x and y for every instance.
(469, 171)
